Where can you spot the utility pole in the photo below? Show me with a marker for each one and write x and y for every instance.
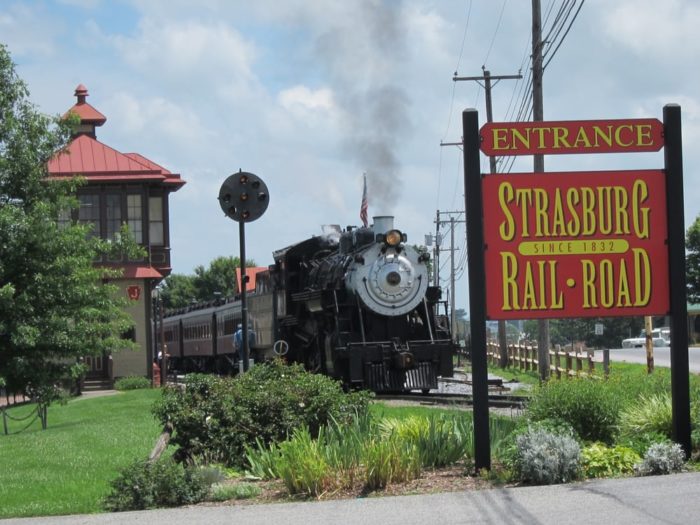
(649, 343)
(452, 221)
(438, 242)
(453, 324)
(538, 165)
(487, 78)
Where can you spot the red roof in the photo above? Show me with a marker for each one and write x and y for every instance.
(88, 156)
(134, 271)
(97, 162)
(141, 272)
(85, 111)
(251, 273)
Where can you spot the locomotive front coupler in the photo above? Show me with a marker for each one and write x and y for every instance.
(404, 361)
(403, 358)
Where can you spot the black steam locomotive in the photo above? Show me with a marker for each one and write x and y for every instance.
(354, 304)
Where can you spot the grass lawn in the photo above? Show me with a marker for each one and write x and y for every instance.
(617, 369)
(67, 468)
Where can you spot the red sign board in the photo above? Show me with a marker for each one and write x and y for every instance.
(585, 136)
(577, 244)
(134, 292)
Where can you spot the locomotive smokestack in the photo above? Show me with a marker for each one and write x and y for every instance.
(382, 224)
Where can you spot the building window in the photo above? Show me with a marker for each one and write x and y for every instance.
(89, 212)
(114, 214)
(64, 219)
(135, 217)
(155, 220)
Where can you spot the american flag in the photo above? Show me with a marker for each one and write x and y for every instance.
(363, 205)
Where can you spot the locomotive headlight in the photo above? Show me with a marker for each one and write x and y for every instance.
(393, 237)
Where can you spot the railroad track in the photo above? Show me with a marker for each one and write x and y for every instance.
(446, 399)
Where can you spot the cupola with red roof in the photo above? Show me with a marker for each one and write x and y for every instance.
(121, 188)
(90, 118)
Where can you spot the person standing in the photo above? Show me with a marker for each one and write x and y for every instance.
(238, 342)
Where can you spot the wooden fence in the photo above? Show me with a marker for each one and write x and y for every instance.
(566, 363)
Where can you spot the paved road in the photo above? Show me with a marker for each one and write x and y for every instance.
(662, 357)
(652, 500)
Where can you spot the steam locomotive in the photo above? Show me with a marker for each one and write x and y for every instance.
(355, 305)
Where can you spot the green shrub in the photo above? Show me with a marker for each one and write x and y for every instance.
(163, 483)
(650, 413)
(239, 491)
(546, 457)
(132, 383)
(440, 440)
(302, 466)
(600, 461)
(640, 443)
(390, 460)
(590, 407)
(215, 418)
(262, 460)
(661, 458)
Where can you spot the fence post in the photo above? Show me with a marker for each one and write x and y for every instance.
(579, 361)
(591, 362)
(606, 362)
(41, 412)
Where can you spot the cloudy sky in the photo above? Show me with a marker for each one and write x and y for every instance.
(309, 94)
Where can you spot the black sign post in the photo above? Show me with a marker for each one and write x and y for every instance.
(244, 197)
(680, 387)
(477, 288)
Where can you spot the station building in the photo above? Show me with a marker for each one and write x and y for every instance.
(121, 188)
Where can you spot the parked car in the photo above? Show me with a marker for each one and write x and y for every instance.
(659, 337)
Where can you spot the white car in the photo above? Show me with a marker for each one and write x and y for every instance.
(659, 337)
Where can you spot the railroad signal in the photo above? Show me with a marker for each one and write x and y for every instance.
(243, 197)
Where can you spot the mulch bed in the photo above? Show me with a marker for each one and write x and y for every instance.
(448, 479)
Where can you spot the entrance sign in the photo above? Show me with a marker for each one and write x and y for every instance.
(584, 136)
(576, 244)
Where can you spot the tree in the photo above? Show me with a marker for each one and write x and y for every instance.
(55, 305)
(206, 284)
(219, 277)
(178, 290)
(692, 261)
(567, 331)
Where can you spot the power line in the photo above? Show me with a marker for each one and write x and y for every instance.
(564, 35)
(464, 36)
(498, 25)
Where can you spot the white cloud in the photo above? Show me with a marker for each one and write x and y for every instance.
(30, 30)
(201, 56)
(155, 117)
(302, 98)
(85, 4)
(656, 29)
